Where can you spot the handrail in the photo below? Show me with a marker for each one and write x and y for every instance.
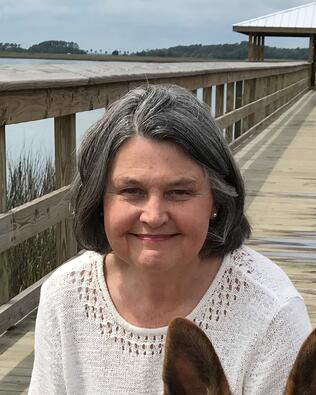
(226, 120)
(33, 96)
(31, 218)
(243, 96)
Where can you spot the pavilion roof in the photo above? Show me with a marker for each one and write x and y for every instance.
(298, 21)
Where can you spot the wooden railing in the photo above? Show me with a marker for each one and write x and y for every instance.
(243, 97)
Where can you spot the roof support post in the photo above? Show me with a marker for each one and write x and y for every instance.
(310, 51)
(313, 41)
(261, 58)
(259, 42)
(312, 58)
(251, 48)
(256, 45)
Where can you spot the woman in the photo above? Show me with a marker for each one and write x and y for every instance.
(159, 202)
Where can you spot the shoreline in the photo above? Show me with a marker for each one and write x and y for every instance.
(100, 58)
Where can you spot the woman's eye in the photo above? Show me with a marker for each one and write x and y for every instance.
(132, 192)
(179, 194)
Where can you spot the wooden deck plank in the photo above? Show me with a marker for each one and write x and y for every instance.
(279, 170)
(281, 205)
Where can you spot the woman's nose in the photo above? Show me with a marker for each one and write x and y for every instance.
(154, 212)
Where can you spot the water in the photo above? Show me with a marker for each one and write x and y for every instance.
(37, 137)
(42, 61)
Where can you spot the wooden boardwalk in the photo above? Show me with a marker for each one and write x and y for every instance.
(279, 167)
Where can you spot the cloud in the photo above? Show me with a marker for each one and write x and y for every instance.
(50, 8)
(159, 13)
(131, 24)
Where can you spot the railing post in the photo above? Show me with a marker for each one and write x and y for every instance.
(292, 79)
(286, 84)
(274, 87)
(313, 39)
(245, 100)
(282, 100)
(279, 87)
(65, 162)
(257, 116)
(270, 90)
(248, 97)
(219, 105)
(207, 96)
(229, 108)
(238, 104)
(4, 265)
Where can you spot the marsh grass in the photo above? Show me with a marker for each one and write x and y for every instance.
(29, 177)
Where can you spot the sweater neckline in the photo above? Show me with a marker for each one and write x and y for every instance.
(160, 330)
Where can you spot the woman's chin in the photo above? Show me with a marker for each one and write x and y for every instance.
(153, 261)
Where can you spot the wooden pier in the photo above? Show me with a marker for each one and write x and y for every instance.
(278, 164)
(279, 168)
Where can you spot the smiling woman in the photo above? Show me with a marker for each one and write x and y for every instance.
(159, 202)
(157, 217)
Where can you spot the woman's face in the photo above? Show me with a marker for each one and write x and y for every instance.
(157, 205)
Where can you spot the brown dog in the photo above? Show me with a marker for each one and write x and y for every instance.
(192, 367)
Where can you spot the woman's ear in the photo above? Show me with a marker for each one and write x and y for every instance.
(191, 365)
(302, 378)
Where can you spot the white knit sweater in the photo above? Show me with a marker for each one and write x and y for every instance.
(253, 315)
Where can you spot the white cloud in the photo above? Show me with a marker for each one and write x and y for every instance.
(12, 8)
(130, 24)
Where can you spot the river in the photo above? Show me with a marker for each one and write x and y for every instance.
(38, 137)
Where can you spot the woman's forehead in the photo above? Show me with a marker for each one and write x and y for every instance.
(137, 150)
(141, 157)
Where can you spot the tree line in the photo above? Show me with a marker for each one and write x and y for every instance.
(224, 51)
(236, 51)
(51, 46)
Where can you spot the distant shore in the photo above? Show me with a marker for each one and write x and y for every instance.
(99, 58)
(121, 58)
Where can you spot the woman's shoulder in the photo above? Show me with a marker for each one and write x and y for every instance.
(249, 293)
(69, 273)
(261, 276)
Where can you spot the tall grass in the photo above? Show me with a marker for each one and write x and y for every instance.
(29, 177)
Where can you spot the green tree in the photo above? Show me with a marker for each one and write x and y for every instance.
(54, 46)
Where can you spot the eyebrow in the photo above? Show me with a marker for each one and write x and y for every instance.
(180, 181)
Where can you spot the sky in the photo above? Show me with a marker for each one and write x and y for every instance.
(133, 25)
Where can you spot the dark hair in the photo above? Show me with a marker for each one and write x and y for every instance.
(165, 113)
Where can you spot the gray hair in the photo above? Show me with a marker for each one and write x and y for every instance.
(165, 113)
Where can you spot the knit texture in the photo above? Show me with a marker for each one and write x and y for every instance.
(253, 315)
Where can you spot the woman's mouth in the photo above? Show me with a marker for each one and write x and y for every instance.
(154, 237)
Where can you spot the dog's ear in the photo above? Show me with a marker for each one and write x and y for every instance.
(302, 378)
(191, 365)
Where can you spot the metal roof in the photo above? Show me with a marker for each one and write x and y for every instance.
(298, 21)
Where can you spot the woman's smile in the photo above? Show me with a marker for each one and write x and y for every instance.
(155, 237)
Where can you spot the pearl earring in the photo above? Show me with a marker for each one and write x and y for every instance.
(214, 215)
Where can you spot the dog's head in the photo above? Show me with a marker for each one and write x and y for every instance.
(192, 367)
